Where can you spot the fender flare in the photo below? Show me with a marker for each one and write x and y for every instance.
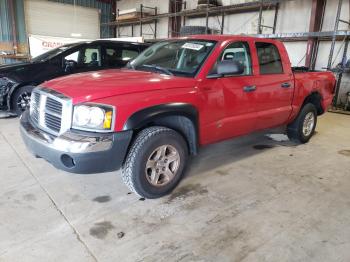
(182, 117)
(146, 115)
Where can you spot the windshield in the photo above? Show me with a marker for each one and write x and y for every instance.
(51, 53)
(174, 57)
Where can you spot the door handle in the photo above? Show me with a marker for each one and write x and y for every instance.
(285, 85)
(249, 88)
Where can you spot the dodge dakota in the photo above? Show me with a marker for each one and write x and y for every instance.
(176, 96)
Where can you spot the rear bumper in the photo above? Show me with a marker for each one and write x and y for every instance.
(77, 152)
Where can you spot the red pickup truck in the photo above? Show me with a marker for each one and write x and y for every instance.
(176, 96)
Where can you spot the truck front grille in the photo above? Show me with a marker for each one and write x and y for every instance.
(35, 101)
(50, 111)
(54, 106)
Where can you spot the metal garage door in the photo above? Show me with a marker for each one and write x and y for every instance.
(56, 19)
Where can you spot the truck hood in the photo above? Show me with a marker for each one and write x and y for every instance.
(85, 87)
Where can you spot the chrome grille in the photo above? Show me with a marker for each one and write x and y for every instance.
(34, 107)
(50, 110)
(53, 122)
(54, 106)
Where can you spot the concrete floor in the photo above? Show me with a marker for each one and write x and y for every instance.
(248, 199)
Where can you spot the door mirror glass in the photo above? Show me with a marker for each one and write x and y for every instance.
(230, 67)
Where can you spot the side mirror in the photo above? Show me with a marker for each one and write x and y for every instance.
(226, 67)
(229, 67)
(69, 65)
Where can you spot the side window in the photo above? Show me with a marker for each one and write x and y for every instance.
(119, 56)
(238, 52)
(269, 59)
(129, 54)
(91, 57)
(72, 57)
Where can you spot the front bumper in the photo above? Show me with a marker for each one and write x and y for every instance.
(77, 152)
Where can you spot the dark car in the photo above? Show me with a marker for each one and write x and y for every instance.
(18, 80)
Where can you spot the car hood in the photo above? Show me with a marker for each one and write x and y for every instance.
(13, 68)
(85, 87)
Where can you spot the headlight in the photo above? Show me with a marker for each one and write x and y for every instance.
(93, 117)
(5, 84)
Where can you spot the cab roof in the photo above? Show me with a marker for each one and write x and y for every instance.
(222, 38)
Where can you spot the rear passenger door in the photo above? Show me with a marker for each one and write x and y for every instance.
(274, 86)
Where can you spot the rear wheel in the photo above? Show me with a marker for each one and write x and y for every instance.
(21, 99)
(155, 162)
(303, 127)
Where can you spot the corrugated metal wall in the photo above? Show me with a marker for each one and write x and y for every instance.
(6, 35)
(106, 12)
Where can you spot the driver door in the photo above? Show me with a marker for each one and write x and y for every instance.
(87, 58)
(237, 93)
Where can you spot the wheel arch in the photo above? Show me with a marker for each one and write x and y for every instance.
(13, 90)
(315, 98)
(181, 117)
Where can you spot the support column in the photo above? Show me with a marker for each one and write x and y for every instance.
(316, 20)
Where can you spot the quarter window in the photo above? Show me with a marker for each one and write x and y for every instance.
(269, 59)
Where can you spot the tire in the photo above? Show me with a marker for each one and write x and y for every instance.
(20, 99)
(298, 131)
(193, 30)
(144, 158)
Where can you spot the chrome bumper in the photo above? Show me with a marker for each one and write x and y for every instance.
(69, 142)
(77, 152)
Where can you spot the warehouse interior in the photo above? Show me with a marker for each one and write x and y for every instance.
(257, 197)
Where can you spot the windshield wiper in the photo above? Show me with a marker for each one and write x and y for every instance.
(159, 68)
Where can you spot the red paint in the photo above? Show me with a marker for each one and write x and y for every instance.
(224, 109)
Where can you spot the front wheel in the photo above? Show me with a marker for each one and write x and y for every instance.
(21, 99)
(303, 127)
(155, 162)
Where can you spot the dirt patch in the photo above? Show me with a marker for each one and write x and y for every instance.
(344, 152)
(222, 172)
(29, 197)
(186, 191)
(75, 198)
(100, 230)
(102, 199)
(120, 234)
(262, 147)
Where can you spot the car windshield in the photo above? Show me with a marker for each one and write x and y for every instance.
(174, 57)
(51, 53)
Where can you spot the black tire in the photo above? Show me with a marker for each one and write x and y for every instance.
(295, 129)
(20, 99)
(193, 30)
(134, 169)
